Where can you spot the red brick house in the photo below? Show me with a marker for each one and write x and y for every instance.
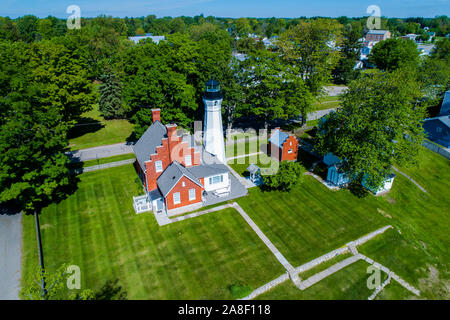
(282, 146)
(377, 35)
(177, 174)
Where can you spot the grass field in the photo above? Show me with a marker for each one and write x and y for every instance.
(349, 283)
(240, 165)
(244, 147)
(96, 228)
(93, 131)
(326, 103)
(311, 220)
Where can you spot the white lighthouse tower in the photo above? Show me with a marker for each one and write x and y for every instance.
(213, 131)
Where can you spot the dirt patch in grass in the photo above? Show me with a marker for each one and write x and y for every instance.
(434, 282)
(384, 213)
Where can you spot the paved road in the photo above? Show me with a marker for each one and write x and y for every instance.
(10, 256)
(100, 152)
(319, 114)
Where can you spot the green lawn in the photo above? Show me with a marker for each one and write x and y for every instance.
(93, 131)
(311, 220)
(244, 147)
(326, 103)
(349, 283)
(96, 228)
(240, 165)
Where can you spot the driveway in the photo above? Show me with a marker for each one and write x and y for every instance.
(100, 152)
(10, 256)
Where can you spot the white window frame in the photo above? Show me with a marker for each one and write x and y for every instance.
(192, 197)
(175, 201)
(159, 162)
(290, 151)
(188, 163)
(211, 179)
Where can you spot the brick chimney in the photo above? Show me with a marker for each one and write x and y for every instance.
(173, 140)
(156, 115)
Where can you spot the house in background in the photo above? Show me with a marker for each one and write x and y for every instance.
(155, 39)
(438, 128)
(410, 36)
(377, 35)
(282, 146)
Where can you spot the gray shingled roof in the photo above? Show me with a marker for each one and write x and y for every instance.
(207, 170)
(170, 177)
(147, 144)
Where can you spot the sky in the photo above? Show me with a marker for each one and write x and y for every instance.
(226, 8)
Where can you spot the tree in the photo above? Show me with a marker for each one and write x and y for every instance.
(110, 102)
(243, 27)
(55, 287)
(394, 53)
(377, 126)
(43, 89)
(434, 77)
(249, 45)
(312, 48)
(289, 175)
(272, 90)
(26, 26)
(442, 50)
(233, 92)
(8, 29)
(350, 48)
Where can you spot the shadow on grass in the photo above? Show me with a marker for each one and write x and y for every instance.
(358, 190)
(111, 290)
(306, 159)
(85, 125)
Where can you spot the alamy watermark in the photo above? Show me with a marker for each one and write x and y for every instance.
(73, 277)
(74, 20)
(374, 280)
(374, 21)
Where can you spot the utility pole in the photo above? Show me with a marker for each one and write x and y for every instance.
(41, 254)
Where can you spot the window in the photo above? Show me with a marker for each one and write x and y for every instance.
(438, 129)
(176, 198)
(158, 166)
(191, 194)
(216, 179)
(188, 160)
(290, 151)
(183, 184)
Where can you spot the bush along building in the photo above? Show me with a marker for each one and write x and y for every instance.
(179, 175)
(282, 146)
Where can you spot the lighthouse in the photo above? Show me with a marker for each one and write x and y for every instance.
(213, 140)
